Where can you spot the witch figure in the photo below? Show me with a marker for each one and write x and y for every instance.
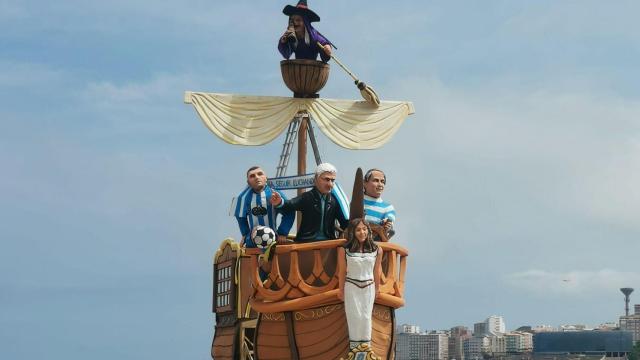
(301, 38)
(360, 282)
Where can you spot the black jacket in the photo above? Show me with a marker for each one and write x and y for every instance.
(309, 204)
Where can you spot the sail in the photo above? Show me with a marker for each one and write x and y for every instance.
(257, 120)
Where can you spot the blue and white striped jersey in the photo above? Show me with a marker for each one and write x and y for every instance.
(253, 209)
(376, 210)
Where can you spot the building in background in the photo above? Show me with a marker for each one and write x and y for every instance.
(495, 325)
(602, 343)
(457, 336)
(410, 343)
(480, 329)
(413, 345)
(518, 342)
(497, 346)
(607, 326)
(574, 327)
(631, 323)
(543, 328)
(409, 329)
(437, 346)
(475, 347)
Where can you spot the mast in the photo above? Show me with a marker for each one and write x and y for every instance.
(302, 154)
(302, 144)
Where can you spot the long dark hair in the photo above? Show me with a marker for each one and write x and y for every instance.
(352, 244)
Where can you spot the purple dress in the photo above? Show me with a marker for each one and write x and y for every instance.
(301, 49)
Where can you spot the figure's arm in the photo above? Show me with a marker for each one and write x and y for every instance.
(292, 205)
(387, 224)
(344, 222)
(286, 223)
(285, 49)
(342, 265)
(325, 52)
(389, 218)
(377, 270)
(244, 228)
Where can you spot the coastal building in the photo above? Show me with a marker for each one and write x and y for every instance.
(574, 327)
(495, 325)
(631, 323)
(497, 346)
(409, 329)
(543, 328)
(457, 336)
(480, 329)
(518, 342)
(475, 347)
(411, 345)
(602, 343)
(437, 346)
(415, 345)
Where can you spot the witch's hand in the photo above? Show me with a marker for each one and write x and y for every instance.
(327, 49)
(285, 36)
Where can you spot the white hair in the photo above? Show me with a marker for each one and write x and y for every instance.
(325, 167)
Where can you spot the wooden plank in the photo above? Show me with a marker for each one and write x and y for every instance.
(325, 346)
(333, 354)
(273, 340)
(224, 340)
(288, 319)
(272, 327)
(223, 343)
(332, 329)
(272, 353)
(272, 333)
(316, 323)
(220, 351)
(382, 331)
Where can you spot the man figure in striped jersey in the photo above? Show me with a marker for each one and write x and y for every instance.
(252, 208)
(378, 211)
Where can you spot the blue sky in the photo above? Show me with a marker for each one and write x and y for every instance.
(518, 170)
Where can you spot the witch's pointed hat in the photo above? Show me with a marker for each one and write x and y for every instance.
(301, 9)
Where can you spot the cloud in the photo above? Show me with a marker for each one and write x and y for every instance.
(575, 148)
(571, 283)
(28, 75)
(610, 192)
(160, 86)
(11, 11)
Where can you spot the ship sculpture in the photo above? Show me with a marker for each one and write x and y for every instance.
(294, 311)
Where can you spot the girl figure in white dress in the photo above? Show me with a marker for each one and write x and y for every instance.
(359, 286)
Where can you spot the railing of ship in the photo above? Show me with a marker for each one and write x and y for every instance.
(306, 275)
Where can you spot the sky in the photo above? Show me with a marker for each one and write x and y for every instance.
(518, 171)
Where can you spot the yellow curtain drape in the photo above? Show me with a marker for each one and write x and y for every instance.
(257, 120)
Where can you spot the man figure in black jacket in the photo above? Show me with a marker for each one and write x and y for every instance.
(319, 207)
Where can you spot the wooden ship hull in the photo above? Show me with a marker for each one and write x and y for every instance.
(319, 333)
(295, 312)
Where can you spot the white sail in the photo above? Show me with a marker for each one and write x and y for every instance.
(257, 120)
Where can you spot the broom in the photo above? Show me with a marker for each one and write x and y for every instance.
(366, 91)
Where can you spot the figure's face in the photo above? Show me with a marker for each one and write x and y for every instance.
(361, 232)
(325, 182)
(298, 23)
(257, 179)
(375, 186)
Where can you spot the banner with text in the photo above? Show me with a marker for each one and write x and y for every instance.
(292, 182)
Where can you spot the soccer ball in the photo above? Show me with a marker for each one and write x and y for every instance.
(263, 236)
